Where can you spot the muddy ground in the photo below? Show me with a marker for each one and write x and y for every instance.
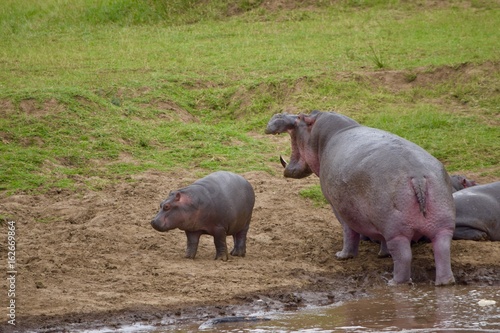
(91, 259)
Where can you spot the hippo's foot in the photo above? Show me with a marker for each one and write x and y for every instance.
(382, 254)
(384, 251)
(344, 255)
(392, 282)
(238, 252)
(221, 256)
(190, 253)
(445, 282)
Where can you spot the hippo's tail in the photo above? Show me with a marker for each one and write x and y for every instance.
(419, 186)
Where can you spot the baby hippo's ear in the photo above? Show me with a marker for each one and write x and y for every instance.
(182, 198)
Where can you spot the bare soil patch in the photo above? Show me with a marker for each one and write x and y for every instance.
(90, 259)
(398, 80)
(34, 108)
(171, 111)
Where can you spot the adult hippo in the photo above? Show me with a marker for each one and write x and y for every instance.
(459, 182)
(478, 212)
(378, 184)
(220, 204)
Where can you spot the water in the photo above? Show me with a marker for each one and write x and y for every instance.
(399, 309)
(389, 309)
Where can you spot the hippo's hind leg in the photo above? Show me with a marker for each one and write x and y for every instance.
(441, 244)
(400, 250)
(384, 251)
(220, 244)
(240, 241)
(193, 239)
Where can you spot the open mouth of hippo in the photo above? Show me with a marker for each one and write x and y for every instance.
(297, 167)
(296, 164)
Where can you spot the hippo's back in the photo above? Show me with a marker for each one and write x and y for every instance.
(481, 198)
(478, 212)
(225, 182)
(382, 175)
(379, 161)
(491, 190)
(230, 196)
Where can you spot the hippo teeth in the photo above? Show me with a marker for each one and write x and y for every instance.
(283, 162)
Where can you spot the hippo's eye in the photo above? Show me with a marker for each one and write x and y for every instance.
(166, 207)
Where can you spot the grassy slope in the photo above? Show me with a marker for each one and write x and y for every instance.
(91, 90)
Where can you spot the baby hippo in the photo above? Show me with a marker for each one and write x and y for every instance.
(220, 204)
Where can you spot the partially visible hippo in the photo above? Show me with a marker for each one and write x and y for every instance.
(211, 323)
(220, 204)
(378, 184)
(478, 212)
(459, 182)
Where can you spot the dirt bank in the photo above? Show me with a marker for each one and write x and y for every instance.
(91, 258)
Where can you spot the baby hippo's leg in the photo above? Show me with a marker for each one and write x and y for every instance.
(220, 244)
(240, 240)
(193, 239)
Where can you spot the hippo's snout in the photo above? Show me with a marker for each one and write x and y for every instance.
(280, 123)
(157, 225)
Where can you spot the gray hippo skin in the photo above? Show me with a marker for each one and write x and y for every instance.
(220, 204)
(459, 182)
(378, 184)
(478, 212)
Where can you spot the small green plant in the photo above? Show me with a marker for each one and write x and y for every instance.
(376, 59)
(410, 77)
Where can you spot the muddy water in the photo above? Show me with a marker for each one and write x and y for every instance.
(400, 310)
(396, 309)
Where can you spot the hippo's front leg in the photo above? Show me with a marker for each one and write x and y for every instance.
(220, 244)
(350, 242)
(193, 238)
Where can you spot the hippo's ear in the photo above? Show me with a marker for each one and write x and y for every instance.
(177, 196)
(308, 119)
(281, 123)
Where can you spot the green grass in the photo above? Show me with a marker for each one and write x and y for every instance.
(91, 90)
(314, 193)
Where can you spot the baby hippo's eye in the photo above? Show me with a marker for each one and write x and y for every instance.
(166, 207)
